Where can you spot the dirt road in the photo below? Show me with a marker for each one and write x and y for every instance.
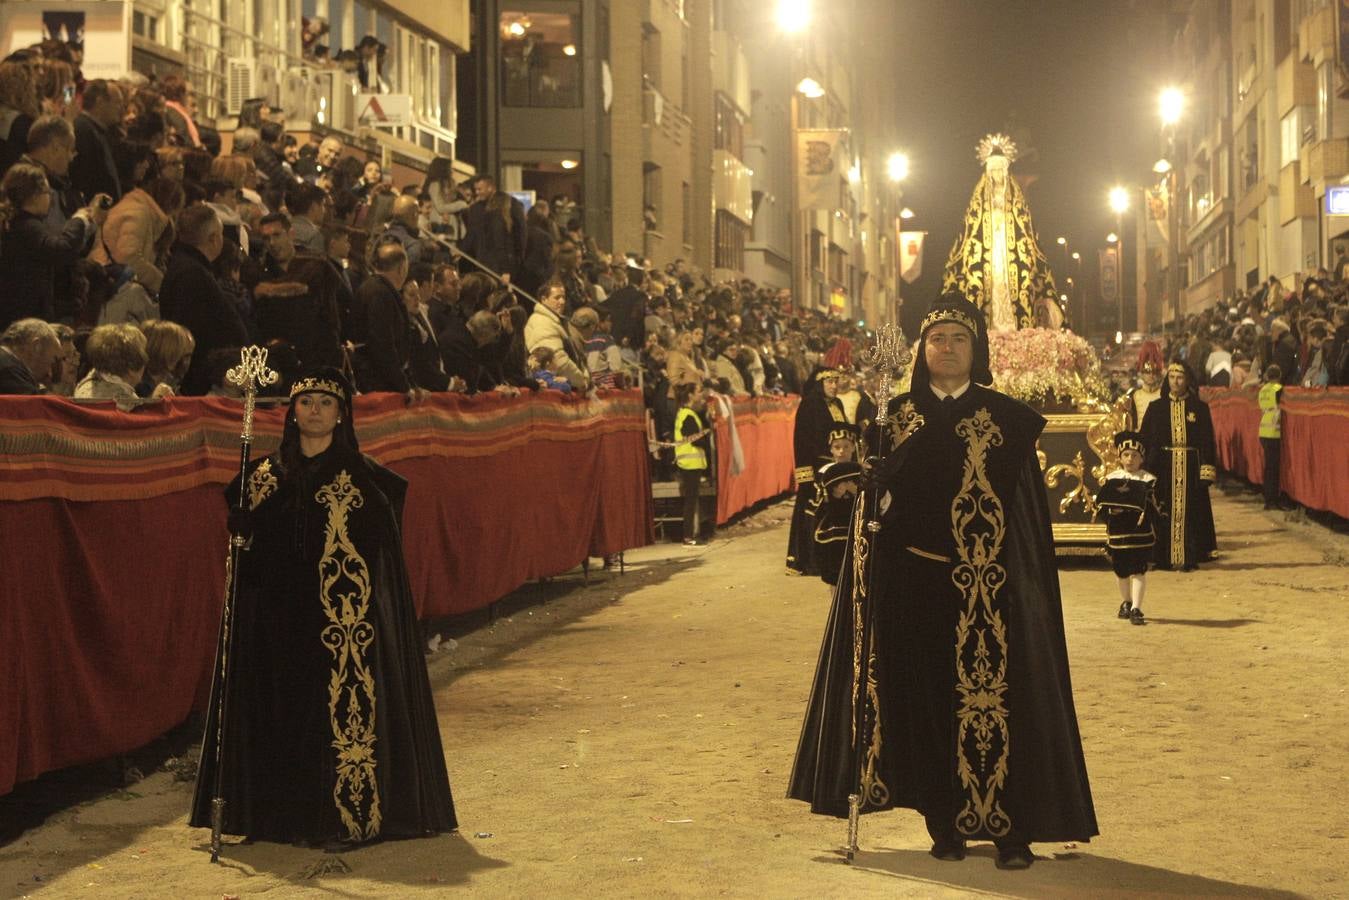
(633, 738)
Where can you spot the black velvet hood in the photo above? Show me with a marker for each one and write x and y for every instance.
(954, 307)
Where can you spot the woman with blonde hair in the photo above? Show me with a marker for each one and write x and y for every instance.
(18, 110)
(135, 230)
(168, 348)
(117, 356)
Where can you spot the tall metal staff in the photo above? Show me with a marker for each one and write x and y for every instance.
(888, 354)
(251, 374)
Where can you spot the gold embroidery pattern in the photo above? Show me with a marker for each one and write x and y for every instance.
(344, 591)
(874, 791)
(904, 424)
(261, 483)
(983, 737)
(1180, 461)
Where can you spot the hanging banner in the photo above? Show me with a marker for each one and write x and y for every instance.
(1109, 274)
(820, 167)
(1159, 211)
(911, 255)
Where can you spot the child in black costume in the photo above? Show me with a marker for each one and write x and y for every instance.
(1126, 499)
(830, 511)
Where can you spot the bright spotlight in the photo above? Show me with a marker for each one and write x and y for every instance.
(810, 88)
(1171, 104)
(1061, 241)
(1162, 166)
(906, 213)
(1111, 238)
(1119, 200)
(793, 16)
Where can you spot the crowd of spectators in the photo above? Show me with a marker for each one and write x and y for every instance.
(1303, 330)
(137, 256)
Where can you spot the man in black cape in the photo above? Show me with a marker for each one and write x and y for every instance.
(330, 730)
(966, 674)
(1181, 451)
(819, 411)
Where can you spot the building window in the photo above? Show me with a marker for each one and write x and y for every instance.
(687, 192)
(729, 130)
(540, 59)
(651, 55)
(731, 237)
(651, 200)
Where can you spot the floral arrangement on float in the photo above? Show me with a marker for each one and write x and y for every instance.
(1046, 367)
(1053, 370)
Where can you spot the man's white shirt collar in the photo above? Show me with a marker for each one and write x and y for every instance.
(954, 395)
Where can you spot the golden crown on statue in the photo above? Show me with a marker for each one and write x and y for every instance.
(997, 145)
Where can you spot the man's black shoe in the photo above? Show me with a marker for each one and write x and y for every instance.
(1136, 617)
(948, 850)
(1124, 609)
(1015, 857)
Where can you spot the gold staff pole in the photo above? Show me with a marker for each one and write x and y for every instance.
(251, 374)
(888, 354)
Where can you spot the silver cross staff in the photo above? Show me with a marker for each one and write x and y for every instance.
(889, 354)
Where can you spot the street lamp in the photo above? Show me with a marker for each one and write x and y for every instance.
(1171, 104)
(1062, 241)
(793, 16)
(1119, 204)
(809, 88)
(897, 167)
(906, 213)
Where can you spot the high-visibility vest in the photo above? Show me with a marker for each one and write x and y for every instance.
(690, 455)
(1269, 410)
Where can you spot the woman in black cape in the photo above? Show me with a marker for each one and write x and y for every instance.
(330, 735)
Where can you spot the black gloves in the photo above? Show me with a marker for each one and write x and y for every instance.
(240, 522)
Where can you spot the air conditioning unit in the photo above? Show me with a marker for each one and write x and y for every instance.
(241, 75)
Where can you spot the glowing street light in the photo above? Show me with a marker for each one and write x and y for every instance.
(897, 166)
(1062, 241)
(1077, 256)
(1119, 200)
(906, 213)
(793, 16)
(810, 88)
(1161, 166)
(1111, 238)
(1171, 104)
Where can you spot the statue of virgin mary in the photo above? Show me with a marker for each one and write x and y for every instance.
(996, 261)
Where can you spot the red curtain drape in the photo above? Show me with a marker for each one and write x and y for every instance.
(1314, 461)
(113, 558)
(764, 426)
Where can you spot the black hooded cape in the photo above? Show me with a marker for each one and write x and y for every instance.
(1180, 449)
(331, 732)
(968, 669)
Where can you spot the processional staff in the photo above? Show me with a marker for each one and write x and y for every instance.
(889, 354)
(251, 373)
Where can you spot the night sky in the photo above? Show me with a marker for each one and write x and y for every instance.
(1076, 81)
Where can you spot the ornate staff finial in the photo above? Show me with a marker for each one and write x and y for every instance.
(889, 352)
(251, 373)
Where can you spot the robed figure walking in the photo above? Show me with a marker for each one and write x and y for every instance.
(820, 411)
(1181, 451)
(330, 731)
(967, 669)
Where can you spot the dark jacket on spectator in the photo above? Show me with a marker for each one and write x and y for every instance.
(379, 328)
(627, 307)
(30, 256)
(418, 249)
(93, 170)
(15, 377)
(14, 127)
(424, 361)
(489, 242)
(1284, 354)
(538, 261)
(191, 297)
(309, 322)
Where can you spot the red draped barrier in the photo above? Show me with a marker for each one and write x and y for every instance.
(764, 426)
(112, 563)
(1314, 464)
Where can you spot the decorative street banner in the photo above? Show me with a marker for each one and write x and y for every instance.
(821, 167)
(911, 255)
(1159, 212)
(1109, 274)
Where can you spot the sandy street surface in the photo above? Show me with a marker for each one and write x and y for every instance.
(633, 739)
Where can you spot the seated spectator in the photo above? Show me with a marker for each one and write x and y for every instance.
(94, 169)
(297, 301)
(466, 353)
(380, 325)
(308, 214)
(603, 359)
(444, 308)
(191, 297)
(547, 328)
(424, 364)
(66, 371)
(29, 349)
(168, 351)
(134, 234)
(117, 357)
(541, 370)
(30, 252)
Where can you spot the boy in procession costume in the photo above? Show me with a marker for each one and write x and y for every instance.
(1149, 387)
(1179, 448)
(967, 669)
(330, 730)
(820, 411)
(836, 486)
(1129, 507)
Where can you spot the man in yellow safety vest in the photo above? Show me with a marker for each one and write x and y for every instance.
(1271, 432)
(692, 446)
